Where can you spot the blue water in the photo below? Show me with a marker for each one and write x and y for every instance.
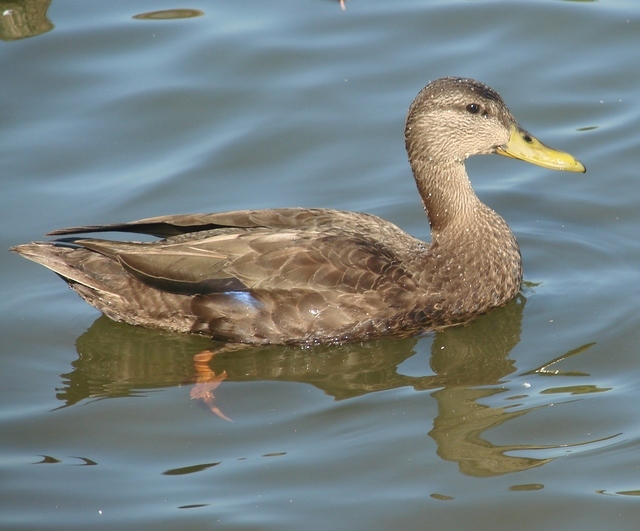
(527, 418)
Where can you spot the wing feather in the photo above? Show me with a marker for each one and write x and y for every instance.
(259, 259)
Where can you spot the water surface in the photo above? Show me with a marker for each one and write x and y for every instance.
(527, 418)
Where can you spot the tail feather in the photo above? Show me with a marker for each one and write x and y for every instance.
(102, 282)
(62, 259)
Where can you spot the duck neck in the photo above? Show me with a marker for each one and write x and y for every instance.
(448, 198)
(475, 257)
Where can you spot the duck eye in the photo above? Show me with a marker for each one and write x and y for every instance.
(473, 108)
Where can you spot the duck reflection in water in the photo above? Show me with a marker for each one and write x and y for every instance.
(468, 364)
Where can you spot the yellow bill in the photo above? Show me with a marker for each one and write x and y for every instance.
(526, 147)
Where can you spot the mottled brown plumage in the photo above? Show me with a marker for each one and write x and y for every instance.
(317, 275)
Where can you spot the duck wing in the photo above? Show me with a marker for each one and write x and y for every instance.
(259, 259)
(271, 276)
(279, 218)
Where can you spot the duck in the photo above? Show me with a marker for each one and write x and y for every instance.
(308, 276)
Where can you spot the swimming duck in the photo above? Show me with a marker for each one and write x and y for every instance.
(306, 275)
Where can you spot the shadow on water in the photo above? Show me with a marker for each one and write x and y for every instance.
(468, 364)
(23, 19)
